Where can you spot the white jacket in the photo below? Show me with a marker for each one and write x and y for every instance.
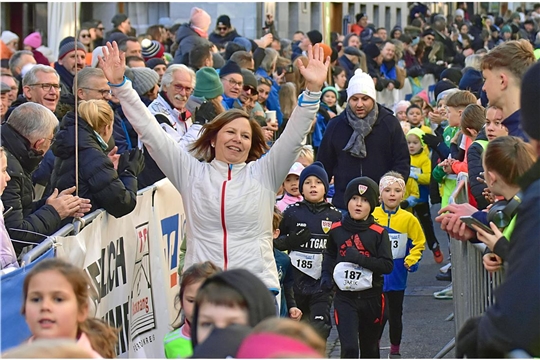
(228, 207)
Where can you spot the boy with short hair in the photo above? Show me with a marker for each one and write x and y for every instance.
(357, 256)
(415, 117)
(304, 230)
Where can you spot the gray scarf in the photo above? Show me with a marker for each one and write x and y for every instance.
(362, 127)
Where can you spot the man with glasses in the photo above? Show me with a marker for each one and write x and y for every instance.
(232, 80)
(224, 32)
(248, 99)
(71, 58)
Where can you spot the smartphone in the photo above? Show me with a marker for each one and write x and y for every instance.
(289, 68)
(469, 221)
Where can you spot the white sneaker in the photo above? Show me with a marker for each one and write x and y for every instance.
(444, 294)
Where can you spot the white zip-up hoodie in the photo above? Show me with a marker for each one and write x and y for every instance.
(228, 207)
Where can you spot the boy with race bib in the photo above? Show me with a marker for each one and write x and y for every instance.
(407, 241)
(357, 256)
(305, 226)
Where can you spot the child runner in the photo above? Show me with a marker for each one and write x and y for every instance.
(178, 342)
(357, 256)
(55, 305)
(408, 243)
(421, 172)
(317, 216)
(291, 187)
(285, 272)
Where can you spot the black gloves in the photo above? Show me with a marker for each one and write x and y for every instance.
(132, 162)
(352, 255)
(205, 113)
(298, 237)
(431, 141)
(327, 283)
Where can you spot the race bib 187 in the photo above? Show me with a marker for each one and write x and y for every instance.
(352, 277)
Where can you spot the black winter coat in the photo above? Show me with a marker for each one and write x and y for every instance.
(98, 180)
(474, 165)
(386, 150)
(26, 215)
(218, 39)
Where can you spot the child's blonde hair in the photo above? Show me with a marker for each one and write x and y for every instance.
(307, 153)
(102, 336)
(97, 113)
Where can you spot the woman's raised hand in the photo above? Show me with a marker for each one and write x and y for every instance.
(317, 69)
(113, 63)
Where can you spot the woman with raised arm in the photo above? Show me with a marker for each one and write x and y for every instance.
(229, 197)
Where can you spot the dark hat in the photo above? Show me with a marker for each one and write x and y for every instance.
(366, 35)
(218, 60)
(249, 78)
(118, 19)
(144, 79)
(442, 86)
(314, 36)
(335, 54)
(530, 106)
(364, 187)
(230, 67)
(404, 38)
(67, 45)
(428, 32)
(4, 88)
(376, 40)
(117, 36)
(351, 50)
(372, 51)
(224, 20)
(152, 63)
(359, 16)
(242, 41)
(452, 74)
(473, 81)
(207, 84)
(316, 169)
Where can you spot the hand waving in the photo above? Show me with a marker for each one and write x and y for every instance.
(317, 69)
(113, 63)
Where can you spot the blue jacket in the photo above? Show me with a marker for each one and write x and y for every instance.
(386, 150)
(272, 103)
(227, 102)
(514, 127)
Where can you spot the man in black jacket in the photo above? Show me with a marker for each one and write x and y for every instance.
(364, 140)
(26, 136)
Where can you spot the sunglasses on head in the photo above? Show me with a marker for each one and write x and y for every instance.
(249, 89)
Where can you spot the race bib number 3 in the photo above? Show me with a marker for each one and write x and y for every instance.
(352, 277)
(398, 242)
(309, 264)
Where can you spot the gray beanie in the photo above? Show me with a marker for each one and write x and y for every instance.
(67, 45)
(143, 79)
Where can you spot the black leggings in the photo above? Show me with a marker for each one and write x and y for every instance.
(316, 309)
(359, 321)
(424, 216)
(394, 315)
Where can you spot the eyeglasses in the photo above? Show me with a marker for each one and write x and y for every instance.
(234, 82)
(181, 88)
(221, 28)
(103, 92)
(85, 35)
(250, 89)
(101, 28)
(47, 87)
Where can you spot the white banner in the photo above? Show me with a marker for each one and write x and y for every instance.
(131, 270)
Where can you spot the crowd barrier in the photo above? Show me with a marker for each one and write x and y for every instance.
(389, 98)
(132, 263)
(473, 286)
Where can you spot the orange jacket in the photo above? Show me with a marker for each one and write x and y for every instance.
(5, 52)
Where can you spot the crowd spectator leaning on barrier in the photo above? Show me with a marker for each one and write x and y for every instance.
(231, 146)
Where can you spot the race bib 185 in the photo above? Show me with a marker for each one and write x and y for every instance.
(309, 264)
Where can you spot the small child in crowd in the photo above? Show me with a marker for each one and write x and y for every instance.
(178, 342)
(316, 216)
(329, 101)
(285, 272)
(55, 305)
(416, 118)
(421, 172)
(291, 187)
(357, 256)
(408, 242)
(400, 110)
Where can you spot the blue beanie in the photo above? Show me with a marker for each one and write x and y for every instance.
(242, 41)
(316, 169)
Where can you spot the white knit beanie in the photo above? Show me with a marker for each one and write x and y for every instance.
(361, 83)
(8, 36)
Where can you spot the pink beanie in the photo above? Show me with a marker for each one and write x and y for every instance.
(33, 40)
(270, 345)
(200, 18)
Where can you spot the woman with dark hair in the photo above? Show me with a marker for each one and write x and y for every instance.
(229, 197)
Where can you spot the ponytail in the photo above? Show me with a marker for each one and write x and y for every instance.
(102, 336)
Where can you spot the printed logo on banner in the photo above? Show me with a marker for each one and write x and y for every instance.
(142, 304)
(170, 231)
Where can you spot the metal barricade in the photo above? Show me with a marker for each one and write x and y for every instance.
(473, 286)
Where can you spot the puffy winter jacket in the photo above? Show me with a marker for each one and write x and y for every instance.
(187, 39)
(229, 207)
(98, 180)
